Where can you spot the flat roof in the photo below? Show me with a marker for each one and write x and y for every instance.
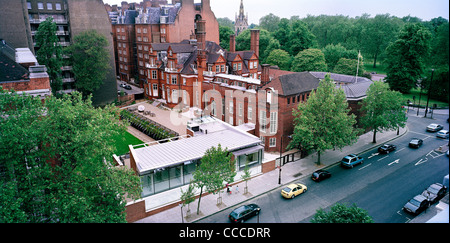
(184, 150)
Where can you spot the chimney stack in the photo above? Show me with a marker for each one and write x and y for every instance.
(254, 41)
(265, 74)
(201, 34)
(232, 43)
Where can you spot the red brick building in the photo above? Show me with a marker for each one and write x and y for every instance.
(20, 71)
(138, 26)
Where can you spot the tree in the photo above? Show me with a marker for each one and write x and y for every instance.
(63, 158)
(309, 60)
(294, 36)
(333, 53)
(216, 166)
(224, 36)
(382, 109)
(279, 58)
(322, 122)
(226, 22)
(188, 196)
(349, 67)
(246, 176)
(406, 56)
(50, 53)
(269, 22)
(340, 213)
(90, 58)
(378, 33)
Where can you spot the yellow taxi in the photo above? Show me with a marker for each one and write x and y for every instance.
(293, 190)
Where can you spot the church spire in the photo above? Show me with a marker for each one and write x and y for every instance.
(241, 22)
(241, 9)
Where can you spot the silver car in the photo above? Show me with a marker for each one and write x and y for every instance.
(433, 127)
(442, 134)
(434, 192)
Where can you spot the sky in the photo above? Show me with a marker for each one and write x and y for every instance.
(423, 9)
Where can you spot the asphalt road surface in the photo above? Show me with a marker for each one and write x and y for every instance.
(381, 185)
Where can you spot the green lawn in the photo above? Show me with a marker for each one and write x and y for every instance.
(423, 99)
(123, 141)
(368, 66)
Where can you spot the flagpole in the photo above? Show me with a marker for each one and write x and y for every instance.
(357, 67)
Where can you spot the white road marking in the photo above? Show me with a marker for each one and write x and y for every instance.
(383, 158)
(374, 154)
(400, 150)
(365, 166)
(395, 162)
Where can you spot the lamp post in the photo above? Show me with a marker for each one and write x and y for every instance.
(420, 95)
(281, 154)
(429, 92)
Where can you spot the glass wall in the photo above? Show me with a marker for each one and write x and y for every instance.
(167, 178)
(252, 159)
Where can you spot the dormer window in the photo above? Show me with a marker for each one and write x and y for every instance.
(170, 53)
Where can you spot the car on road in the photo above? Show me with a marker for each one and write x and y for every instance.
(293, 190)
(320, 175)
(434, 192)
(385, 149)
(415, 143)
(416, 205)
(125, 86)
(242, 213)
(442, 134)
(433, 127)
(351, 160)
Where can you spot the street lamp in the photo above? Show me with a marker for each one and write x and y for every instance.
(429, 91)
(420, 95)
(281, 154)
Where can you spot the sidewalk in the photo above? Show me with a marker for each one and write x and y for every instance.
(269, 181)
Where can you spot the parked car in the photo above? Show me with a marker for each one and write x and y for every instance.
(240, 214)
(351, 160)
(434, 192)
(433, 127)
(127, 86)
(293, 190)
(385, 149)
(442, 134)
(415, 143)
(416, 205)
(320, 175)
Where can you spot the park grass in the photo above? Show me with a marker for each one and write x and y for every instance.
(423, 99)
(123, 141)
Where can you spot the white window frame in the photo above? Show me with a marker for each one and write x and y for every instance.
(273, 122)
(272, 142)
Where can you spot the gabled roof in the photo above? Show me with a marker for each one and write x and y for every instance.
(297, 83)
(11, 71)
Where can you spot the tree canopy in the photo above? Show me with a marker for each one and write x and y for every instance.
(382, 109)
(59, 168)
(50, 53)
(341, 213)
(90, 61)
(323, 122)
(406, 57)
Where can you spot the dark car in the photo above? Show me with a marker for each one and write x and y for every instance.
(320, 175)
(434, 192)
(127, 86)
(415, 143)
(416, 205)
(385, 149)
(240, 214)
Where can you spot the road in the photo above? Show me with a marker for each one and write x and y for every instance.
(381, 185)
